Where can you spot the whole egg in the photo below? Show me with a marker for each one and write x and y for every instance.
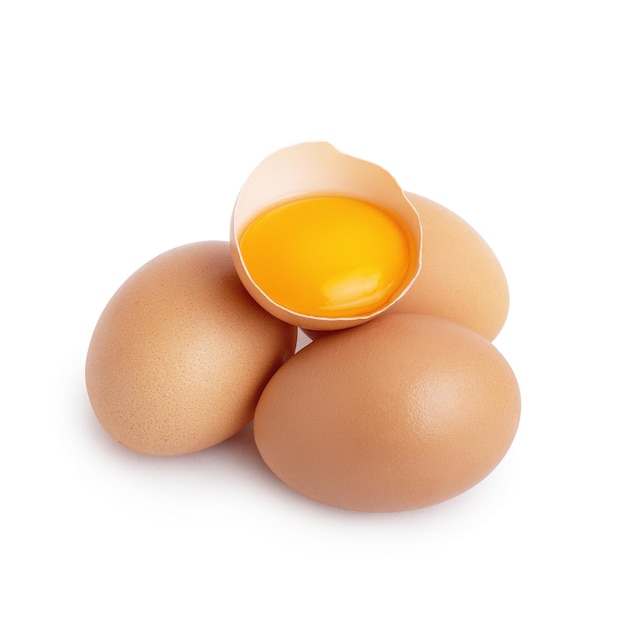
(461, 278)
(398, 413)
(181, 353)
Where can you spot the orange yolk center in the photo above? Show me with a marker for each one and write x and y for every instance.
(327, 256)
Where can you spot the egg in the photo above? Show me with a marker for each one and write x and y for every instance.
(323, 240)
(461, 278)
(181, 353)
(402, 412)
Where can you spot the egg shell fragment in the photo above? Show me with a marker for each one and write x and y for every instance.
(399, 413)
(318, 169)
(181, 353)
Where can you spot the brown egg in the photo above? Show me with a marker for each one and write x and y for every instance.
(399, 413)
(461, 279)
(181, 353)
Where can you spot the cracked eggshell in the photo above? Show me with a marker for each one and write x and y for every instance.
(400, 413)
(181, 353)
(318, 169)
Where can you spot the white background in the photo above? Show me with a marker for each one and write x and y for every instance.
(128, 127)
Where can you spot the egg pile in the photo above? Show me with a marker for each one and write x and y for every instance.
(400, 400)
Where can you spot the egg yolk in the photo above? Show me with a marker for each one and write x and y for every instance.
(327, 256)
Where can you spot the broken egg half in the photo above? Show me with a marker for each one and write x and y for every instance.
(323, 240)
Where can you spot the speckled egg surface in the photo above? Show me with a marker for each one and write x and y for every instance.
(461, 278)
(181, 353)
(399, 413)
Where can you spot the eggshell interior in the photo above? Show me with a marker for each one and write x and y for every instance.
(318, 169)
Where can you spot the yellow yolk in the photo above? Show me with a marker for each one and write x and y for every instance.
(327, 256)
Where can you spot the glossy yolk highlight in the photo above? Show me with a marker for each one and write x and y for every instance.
(327, 256)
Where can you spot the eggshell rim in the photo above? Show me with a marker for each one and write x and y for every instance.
(303, 320)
